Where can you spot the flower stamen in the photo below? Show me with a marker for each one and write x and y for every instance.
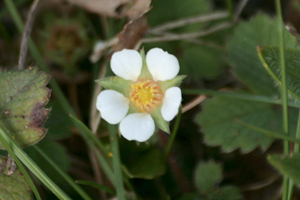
(146, 95)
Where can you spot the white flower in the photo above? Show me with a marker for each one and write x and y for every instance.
(143, 93)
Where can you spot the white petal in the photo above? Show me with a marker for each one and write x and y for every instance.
(162, 65)
(127, 64)
(137, 126)
(112, 105)
(171, 103)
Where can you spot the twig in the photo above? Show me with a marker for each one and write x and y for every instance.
(26, 34)
(239, 9)
(172, 37)
(190, 20)
(197, 41)
(94, 114)
(194, 103)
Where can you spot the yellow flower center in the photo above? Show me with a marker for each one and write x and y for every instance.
(146, 95)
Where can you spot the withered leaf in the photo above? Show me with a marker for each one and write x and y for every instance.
(131, 34)
(22, 99)
(138, 9)
(101, 7)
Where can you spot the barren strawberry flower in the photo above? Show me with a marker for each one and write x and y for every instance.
(143, 94)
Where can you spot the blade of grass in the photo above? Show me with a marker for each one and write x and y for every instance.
(104, 162)
(284, 95)
(90, 134)
(80, 191)
(96, 185)
(117, 162)
(16, 150)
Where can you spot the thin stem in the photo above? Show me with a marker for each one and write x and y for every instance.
(26, 34)
(117, 162)
(63, 174)
(236, 95)
(193, 103)
(174, 133)
(284, 95)
(16, 150)
(240, 7)
(173, 37)
(190, 20)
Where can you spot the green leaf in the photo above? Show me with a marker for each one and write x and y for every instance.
(116, 83)
(146, 164)
(219, 128)
(288, 165)
(271, 60)
(56, 152)
(226, 193)
(201, 62)
(242, 54)
(22, 100)
(14, 187)
(59, 124)
(208, 175)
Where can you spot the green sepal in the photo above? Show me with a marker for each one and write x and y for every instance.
(160, 122)
(164, 85)
(145, 73)
(116, 83)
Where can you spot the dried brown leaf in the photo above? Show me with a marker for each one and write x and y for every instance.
(138, 9)
(132, 33)
(101, 7)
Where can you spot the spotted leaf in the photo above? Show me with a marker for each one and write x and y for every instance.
(22, 99)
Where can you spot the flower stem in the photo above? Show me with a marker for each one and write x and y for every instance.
(114, 138)
(283, 93)
(174, 133)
